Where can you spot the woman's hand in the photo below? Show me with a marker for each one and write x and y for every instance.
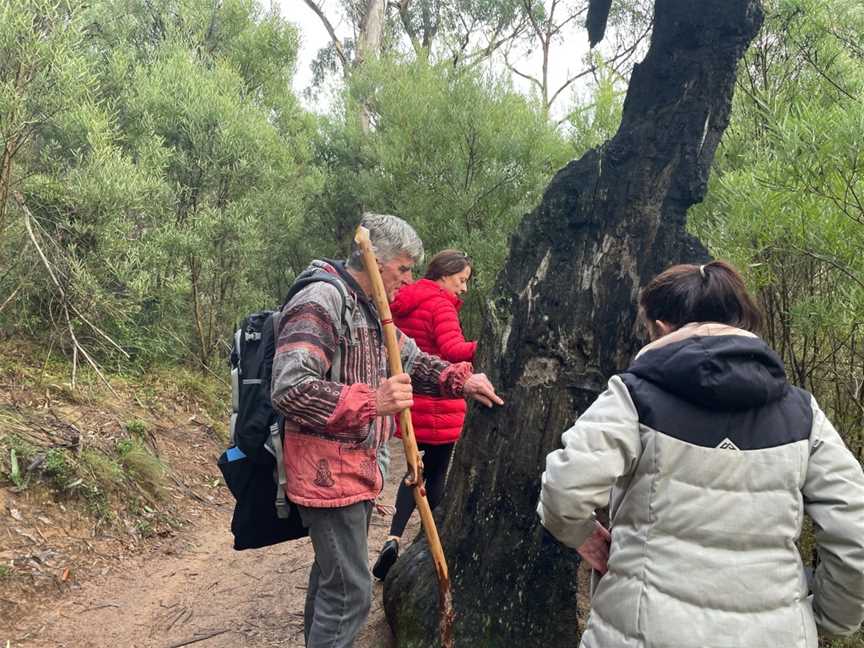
(595, 550)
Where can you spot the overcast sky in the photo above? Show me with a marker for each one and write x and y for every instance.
(313, 37)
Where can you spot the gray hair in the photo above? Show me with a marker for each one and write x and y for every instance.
(391, 237)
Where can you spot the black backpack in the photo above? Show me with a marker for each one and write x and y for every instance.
(253, 465)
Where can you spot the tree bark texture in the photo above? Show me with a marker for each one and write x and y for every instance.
(369, 42)
(371, 31)
(561, 321)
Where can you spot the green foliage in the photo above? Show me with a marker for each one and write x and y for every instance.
(174, 183)
(596, 118)
(163, 187)
(457, 153)
(59, 468)
(210, 396)
(137, 427)
(785, 203)
(94, 475)
(15, 455)
(104, 471)
(849, 642)
(45, 80)
(144, 527)
(15, 470)
(42, 68)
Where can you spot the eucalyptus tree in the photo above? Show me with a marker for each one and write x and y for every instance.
(531, 39)
(555, 29)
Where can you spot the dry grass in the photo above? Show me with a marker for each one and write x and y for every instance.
(141, 467)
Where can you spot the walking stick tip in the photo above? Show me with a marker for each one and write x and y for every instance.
(361, 235)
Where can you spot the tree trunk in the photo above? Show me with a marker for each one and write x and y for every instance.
(10, 148)
(371, 34)
(6, 177)
(561, 321)
(369, 42)
(370, 39)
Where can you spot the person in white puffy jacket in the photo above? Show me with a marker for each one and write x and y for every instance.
(708, 459)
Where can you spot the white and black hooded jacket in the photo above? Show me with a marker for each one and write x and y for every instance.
(712, 459)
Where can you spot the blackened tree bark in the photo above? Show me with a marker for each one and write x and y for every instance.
(562, 320)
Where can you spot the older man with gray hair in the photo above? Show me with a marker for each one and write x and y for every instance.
(330, 382)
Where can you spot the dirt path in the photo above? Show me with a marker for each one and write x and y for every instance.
(197, 586)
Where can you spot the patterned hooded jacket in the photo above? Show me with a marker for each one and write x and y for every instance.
(328, 363)
(712, 459)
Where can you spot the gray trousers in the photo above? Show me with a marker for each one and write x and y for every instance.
(340, 585)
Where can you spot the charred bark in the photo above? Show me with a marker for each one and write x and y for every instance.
(562, 320)
(595, 22)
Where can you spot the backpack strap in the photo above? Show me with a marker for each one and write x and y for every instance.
(274, 445)
(235, 386)
(306, 279)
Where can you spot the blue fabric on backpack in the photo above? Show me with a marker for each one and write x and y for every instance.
(234, 453)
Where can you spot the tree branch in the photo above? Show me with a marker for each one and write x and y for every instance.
(9, 298)
(573, 16)
(528, 77)
(832, 262)
(402, 6)
(805, 52)
(566, 84)
(340, 50)
(463, 42)
(482, 54)
(622, 55)
(529, 5)
(76, 344)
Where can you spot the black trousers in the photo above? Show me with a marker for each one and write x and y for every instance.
(436, 459)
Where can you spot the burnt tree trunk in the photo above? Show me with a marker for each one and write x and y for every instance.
(562, 320)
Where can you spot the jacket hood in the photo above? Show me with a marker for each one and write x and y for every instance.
(319, 267)
(714, 366)
(411, 296)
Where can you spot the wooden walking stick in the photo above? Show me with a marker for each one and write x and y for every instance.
(414, 479)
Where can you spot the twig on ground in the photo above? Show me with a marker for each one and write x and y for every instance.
(197, 639)
(303, 566)
(99, 607)
(176, 619)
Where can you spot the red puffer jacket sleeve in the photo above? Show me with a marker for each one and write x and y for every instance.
(448, 333)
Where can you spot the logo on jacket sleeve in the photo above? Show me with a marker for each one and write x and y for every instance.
(726, 444)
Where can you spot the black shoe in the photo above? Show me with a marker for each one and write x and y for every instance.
(389, 554)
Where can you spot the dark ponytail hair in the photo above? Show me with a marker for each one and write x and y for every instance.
(446, 263)
(686, 293)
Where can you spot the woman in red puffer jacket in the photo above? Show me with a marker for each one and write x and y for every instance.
(428, 311)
